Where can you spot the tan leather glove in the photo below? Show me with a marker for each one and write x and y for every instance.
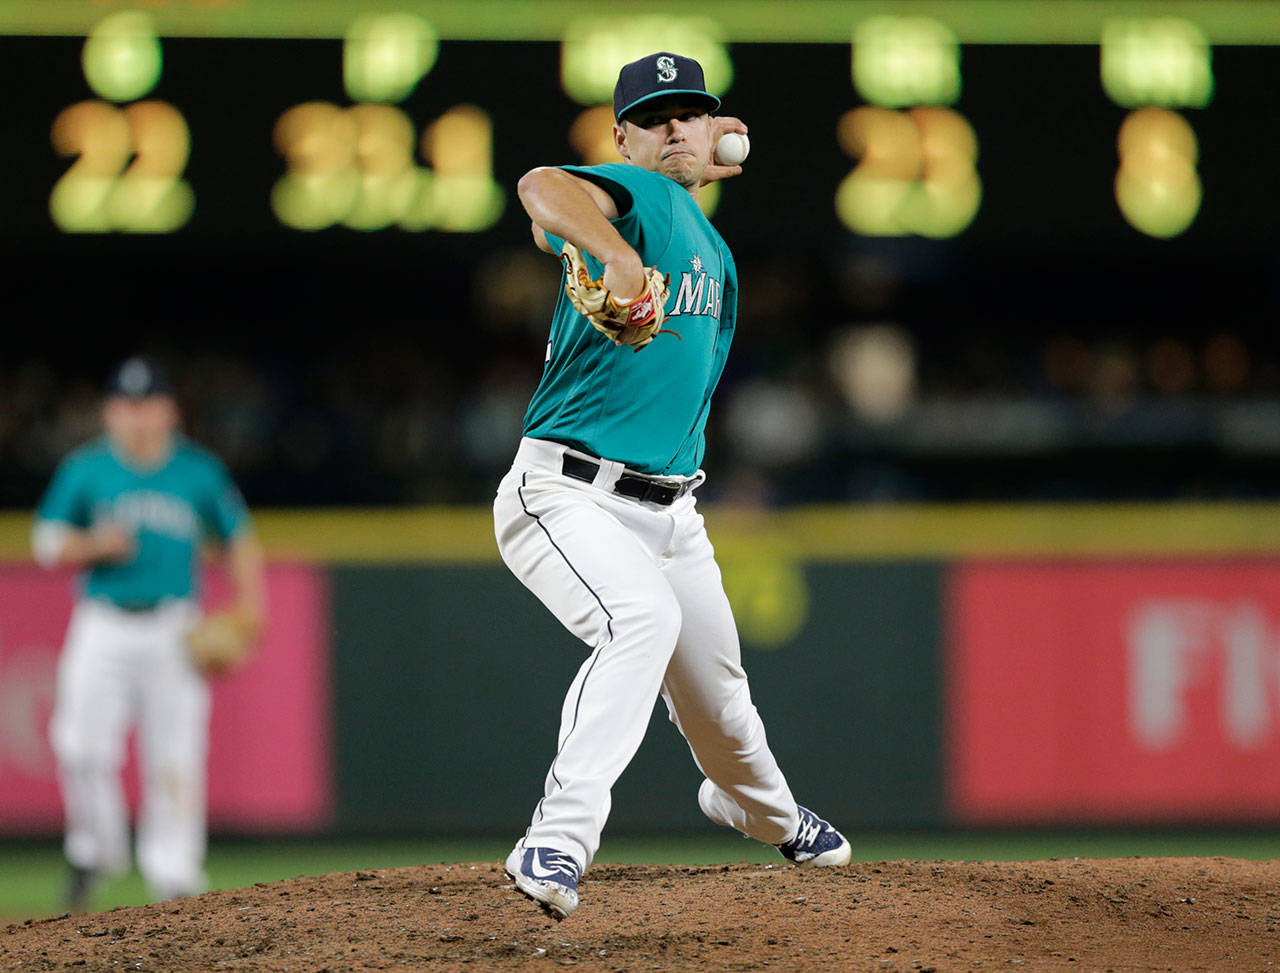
(634, 322)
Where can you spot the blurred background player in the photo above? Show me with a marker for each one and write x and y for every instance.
(130, 510)
(597, 516)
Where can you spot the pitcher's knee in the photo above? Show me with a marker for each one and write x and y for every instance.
(86, 752)
(743, 726)
(174, 787)
(726, 721)
(655, 622)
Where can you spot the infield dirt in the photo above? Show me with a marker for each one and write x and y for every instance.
(1091, 914)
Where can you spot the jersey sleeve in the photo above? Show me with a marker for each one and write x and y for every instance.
(223, 509)
(67, 500)
(643, 199)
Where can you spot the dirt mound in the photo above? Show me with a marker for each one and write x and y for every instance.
(1123, 914)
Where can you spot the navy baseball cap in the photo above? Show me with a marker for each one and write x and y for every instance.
(657, 76)
(137, 378)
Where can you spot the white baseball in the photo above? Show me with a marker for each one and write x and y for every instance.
(732, 148)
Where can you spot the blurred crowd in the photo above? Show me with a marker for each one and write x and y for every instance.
(819, 403)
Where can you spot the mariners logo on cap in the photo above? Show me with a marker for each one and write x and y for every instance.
(654, 76)
(135, 377)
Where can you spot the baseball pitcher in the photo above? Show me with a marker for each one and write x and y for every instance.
(597, 516)
(130, 511)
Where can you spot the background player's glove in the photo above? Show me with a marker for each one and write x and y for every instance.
(633, 322)
(222, 640)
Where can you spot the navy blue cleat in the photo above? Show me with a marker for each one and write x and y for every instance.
(816, 843)
(547, 876)
(80, 889)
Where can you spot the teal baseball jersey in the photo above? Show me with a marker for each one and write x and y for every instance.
(168, 510)
(648, 408)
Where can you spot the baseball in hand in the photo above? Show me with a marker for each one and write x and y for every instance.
(732, 148)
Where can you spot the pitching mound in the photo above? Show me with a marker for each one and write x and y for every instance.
(1127, 914)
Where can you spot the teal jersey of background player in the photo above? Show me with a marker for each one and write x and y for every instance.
(646, 408)
(169, 510)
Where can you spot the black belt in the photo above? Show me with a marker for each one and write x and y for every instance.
(135, 607)
(629, 484)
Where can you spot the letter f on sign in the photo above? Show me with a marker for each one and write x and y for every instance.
(1164, 639)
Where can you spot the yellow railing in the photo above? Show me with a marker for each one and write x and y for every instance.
(465, 534)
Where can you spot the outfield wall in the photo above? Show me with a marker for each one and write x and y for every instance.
(970, 666)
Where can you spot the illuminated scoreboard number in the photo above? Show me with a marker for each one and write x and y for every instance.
(916, 172)
(917, 168)
(355, 167)
(128, 168)
(129, 161)
(1153, 66)
(1157, 186)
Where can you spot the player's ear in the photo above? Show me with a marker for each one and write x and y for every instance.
(620, 141)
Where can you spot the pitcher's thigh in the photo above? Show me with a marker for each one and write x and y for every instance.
(92, 704)
(706, 669)
(173, 720)
(589, 570)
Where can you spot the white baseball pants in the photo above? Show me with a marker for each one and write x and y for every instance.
(119, 669)
(637, 582)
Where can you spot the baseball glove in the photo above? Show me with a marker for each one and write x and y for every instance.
(634, 322)
(222, 640)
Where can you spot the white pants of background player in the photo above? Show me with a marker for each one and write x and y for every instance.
(120, 669)
(637, 582)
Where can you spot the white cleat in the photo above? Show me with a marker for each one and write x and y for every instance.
(547, 876)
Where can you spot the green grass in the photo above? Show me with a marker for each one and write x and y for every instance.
(33, 874)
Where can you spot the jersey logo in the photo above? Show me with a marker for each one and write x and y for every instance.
(666, 69)
(150, 510)
(698, 293)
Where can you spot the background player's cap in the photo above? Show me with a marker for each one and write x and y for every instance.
(137, 378)
(656, 76)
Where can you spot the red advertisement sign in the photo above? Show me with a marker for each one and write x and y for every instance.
(269, 756)
(1107, 692)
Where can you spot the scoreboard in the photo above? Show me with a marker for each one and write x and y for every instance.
(888, 126)
(223, 138)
